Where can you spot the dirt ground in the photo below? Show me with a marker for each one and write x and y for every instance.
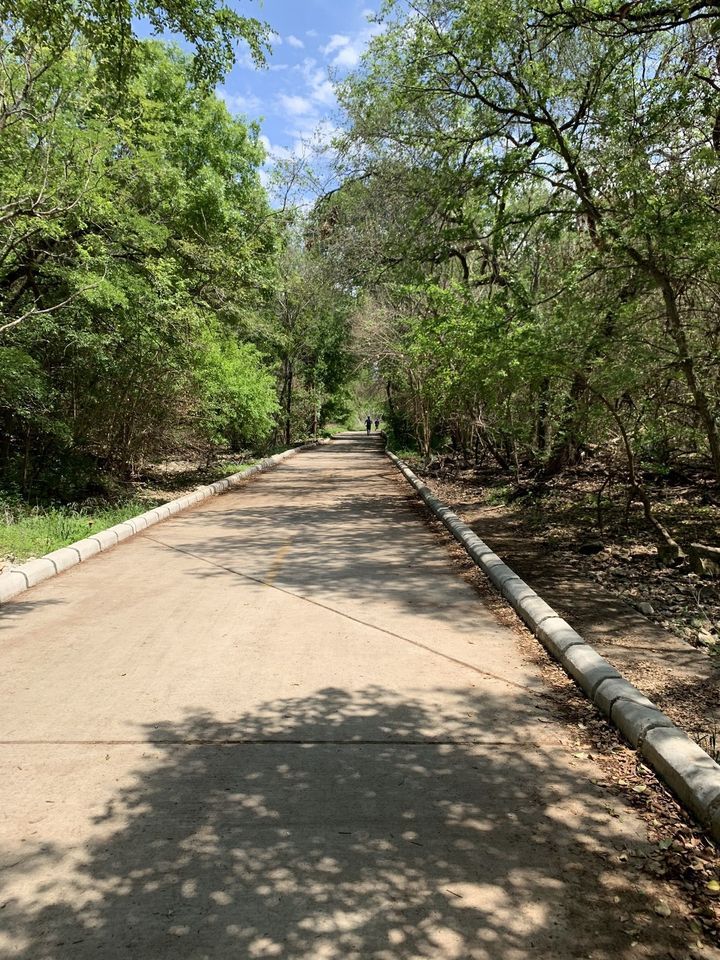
(597, 580)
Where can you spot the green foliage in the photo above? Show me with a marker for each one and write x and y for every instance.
(310, 334)
(106, 27)
(238, 402)
(136, 254)
(149, 305)
(529, 204)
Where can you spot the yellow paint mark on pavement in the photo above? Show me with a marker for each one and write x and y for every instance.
(277, 563)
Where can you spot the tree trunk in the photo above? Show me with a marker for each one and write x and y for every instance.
(492, 449)
(26, 463)
(542, 428)
(316, 414)
(567, 451)
(669, 550)
(288, 402)
(391, 406)
(687, 365)
(672, 312)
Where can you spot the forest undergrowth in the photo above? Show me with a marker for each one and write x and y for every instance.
(30, 530)
(587, 525)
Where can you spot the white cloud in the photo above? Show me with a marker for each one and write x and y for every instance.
(308, 154)
(303, 134)
(348, 56)
(295, 105)
(246, 61)
(318, 134)
(348, 50)
(324, 93)
(302, 108)
(274, 151)
(337, 40)
(320, 89)
(240, 102)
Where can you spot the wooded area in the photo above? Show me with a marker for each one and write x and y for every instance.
(531, 203)
(151, 300)
(521, 252)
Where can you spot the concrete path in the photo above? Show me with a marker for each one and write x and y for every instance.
(282, 725)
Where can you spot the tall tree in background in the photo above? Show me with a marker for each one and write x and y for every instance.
(148, 300)
(162, 252)
(51, 121)
(559, 171)
(310, 336)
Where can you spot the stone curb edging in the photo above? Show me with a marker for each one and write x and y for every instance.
(685, 767)
(20, 578)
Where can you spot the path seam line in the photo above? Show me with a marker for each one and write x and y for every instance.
(262, 741)
(340, 613)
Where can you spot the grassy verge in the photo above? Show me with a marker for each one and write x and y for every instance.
(28, 531)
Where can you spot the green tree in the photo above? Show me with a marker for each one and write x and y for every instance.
(544, 180)
(309, 333)
(156, 264)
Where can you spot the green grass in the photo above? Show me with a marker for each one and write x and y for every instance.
(31, 531)
(408, 456)
(498, 496)
(228, 469)
(27, 532)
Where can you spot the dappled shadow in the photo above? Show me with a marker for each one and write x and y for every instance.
(653, 657)
(576, 596)
(12, 613)
(324, 827)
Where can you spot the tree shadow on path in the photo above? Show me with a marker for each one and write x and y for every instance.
(365, 843)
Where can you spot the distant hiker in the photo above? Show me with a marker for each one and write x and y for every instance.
(368, 425)
(377, 422)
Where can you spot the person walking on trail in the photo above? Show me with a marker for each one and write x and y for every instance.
(377, 423)
(368, 424)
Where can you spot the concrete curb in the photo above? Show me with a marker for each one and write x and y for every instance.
(20, 578)
(691, 774)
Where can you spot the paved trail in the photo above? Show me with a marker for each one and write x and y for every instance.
(282, 725)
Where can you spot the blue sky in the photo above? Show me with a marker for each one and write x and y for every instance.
(314, 41)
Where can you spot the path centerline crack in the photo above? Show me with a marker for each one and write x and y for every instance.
(347, 616)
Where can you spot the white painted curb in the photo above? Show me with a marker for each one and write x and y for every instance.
(18, 579)
(690, 773)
